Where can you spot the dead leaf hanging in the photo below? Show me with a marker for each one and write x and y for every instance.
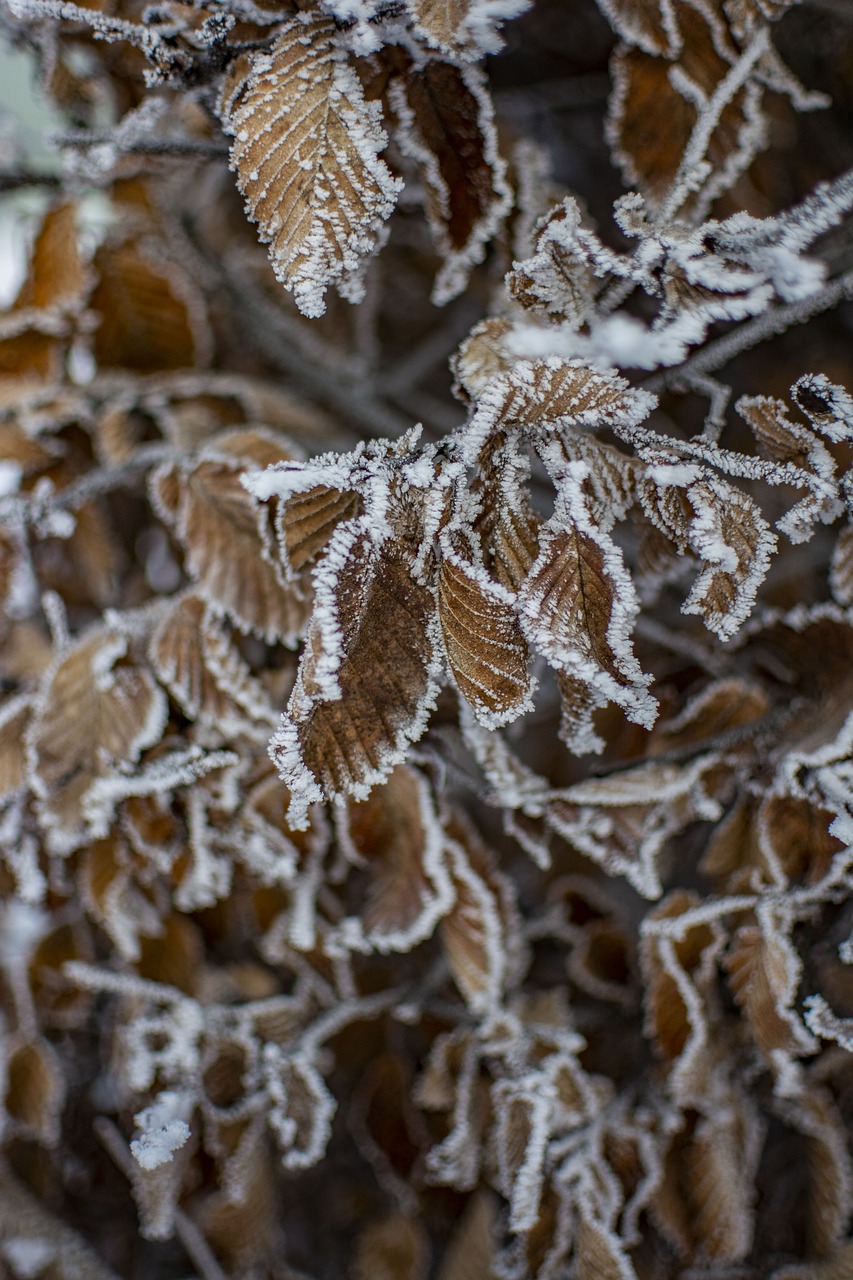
(306, 154)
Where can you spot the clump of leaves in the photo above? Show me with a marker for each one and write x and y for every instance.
(427, 809)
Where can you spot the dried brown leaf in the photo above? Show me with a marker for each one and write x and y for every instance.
(365, 684)
(219, 525)
(95, 713)
(486, 650)
(306, 154)
(446, 125)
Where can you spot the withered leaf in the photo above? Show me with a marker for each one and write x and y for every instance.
(651, 120)
(483, 640)
(551, 393)
(396, 832)
(396, 1248)
(94, 714)
(152, 315)
(306, 522)
(302, 1108)
(577, 605)
(648, 23)
(599, 1253)
(219, 525)
(480, 933)
(366, 680)
(763, 977)
(719, 1167)
(35, 1089)
(471, 1246)
(57, 276)
(195, 658)
(447, 126)
(306, 154)
(14, 718)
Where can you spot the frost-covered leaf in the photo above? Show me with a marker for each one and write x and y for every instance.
(307, 521)
(306, 154)
(471, 1246)
(301, 1108)
(599, 1253)
(480, 933)
(730, 535)
(657, 102)
(219, 525)
(197, 661)
(396, 833)
(720, 1164)
(557, 282)
(34, 1089)
(366, 680)
(650, 24)
(483, 640)
(723, 528)
(464, 27)
(95, 714)
(680, 974)
(14, 717)
(446, 125)
(553, 393)
(764, 973)
(523, 1121)
(151, 313)
(578, 607)
(395, 1248)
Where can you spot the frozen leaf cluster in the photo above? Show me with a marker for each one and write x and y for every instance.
(426, 647)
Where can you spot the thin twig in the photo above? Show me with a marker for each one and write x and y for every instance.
(186, 1230)
(760, 329)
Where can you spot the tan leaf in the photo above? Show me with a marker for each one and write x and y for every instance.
(35, 1089)
(456, 26)
(306, 154)
(480, 934)
(482, 356)
(552, 393)
(396, 832)
(113, 899)
(94, 715)
(301, 1109)
(724, 705)
(678, 973)
(599, 1253)
(396, 1248)
(306, 522)
(471, 1246)
(446, 125)
(152, 315)
(219, 526)
(719, 1168)
(763, 983)
(366, 681)
(577, 607)
(841, 567)
(730, 534)
(195, 658)
(14, 718)
(485, 647)
(651, 120)
(556, 282)
(778, 438)
(830, 1178)
(648, 23)
(57, 276)
(507, 525)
